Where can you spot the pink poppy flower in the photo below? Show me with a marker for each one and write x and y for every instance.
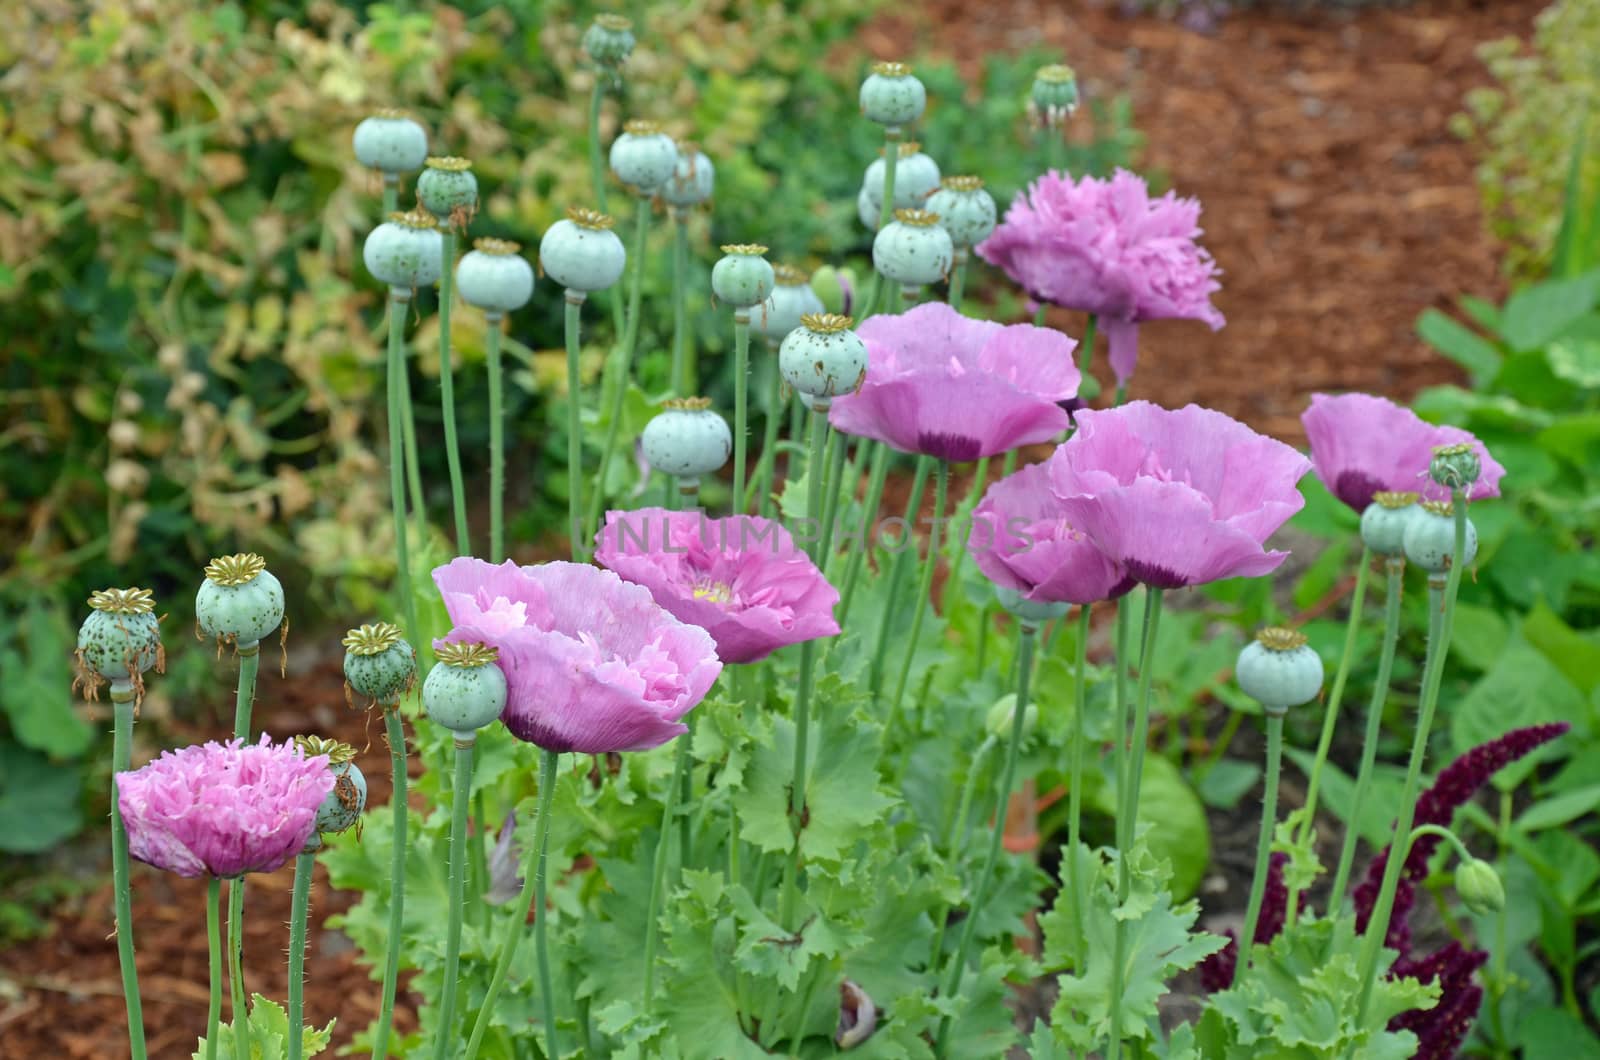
(592, 664)
(1177, 497)
(1106, 247)
(1362, 445)
(740, 578)
(223, 809)
(955, 388)
(1022, 539)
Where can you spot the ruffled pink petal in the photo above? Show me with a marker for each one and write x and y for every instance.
(1033, 359)
(1122, 336)
(1022, 539)
(949, 418)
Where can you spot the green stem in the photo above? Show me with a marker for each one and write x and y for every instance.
(396, 731)
(408, 419)
(922, 602)
(532, 882)
(241, 1015)
(891, 159)
(767, 466)
(304, 865)
(122, 700)
(816, 474)
(214, 948)
(479, 876)
(397, 460)
(391, 194)
(963, 518)
(1499, 962)
(1086, 347)
(497, 441)
(447, 392)
(1394, 568)
(869, 517)
(597, 174)
(658, 875)
(958, 275)
(919, 479)
(574, 428)
(958, 960)
(1128, 808)
(623, 367)
(244, 699)
(956, 828)
(460, 800)
(1080, 707)
(1269, 820)
(1441, 621)
(680, 332)
(833, 464)
(541, 921)
(741, 411)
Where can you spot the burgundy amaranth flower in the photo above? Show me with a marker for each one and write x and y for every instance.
(1177, 497)
(1456, 783)
(223, 809)
(741, 579)
(1106, 247)
(1362, 445)
(955, 388)
(1022, 540)
(592, 663)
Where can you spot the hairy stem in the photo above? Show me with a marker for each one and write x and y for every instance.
(1080, 706)
(924, 591)
(214, 948)
(897, 568)
(869, 517)
(241, 1014)
(622, 365)
(122, 701)
(741, 411)
(680, 331)
(658, 874)
(304, 864)
(396, 731)
(1269, 820)
(397, 459)
(574, 312)
(447, 392)
(497, 441)
(460, 800)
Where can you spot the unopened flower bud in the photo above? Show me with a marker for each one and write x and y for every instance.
(913, 250)
(643, 157)
(391, 141)
(1383, 524)
(742, 277)
(823, 357)
(467, 690)
(494, 277)
(687, 439)
(1055, 94)
(240, 601)
(1454, 466)
(1479, 886)
(892, 96)
(448, 190)
(1000, 717)
(836, 288)
(378, 663)
(581, 253)
(1430, 537)
(1279, 670)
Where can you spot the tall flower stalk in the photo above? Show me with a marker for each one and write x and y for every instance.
(621, 369)
(495, 367)
(941, 492)
(857, 559)
(447, 393)
(299, 906)
(214, 949)
(1080, 706)
(122, 706)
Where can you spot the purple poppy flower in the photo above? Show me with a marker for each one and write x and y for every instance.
(1177, 497)
(223, 809)
(1362, 445)
(1106, 247)
(1022, 539)
(741, 578)
(592, 664)
(955, 388)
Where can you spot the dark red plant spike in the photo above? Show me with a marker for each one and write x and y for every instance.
(1441, 1029)
(1216, 971)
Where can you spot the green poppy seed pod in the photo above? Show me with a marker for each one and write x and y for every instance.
(391, 141)
(1479, 886)
(1279, 670)
(643, 157)
(1001, 715)
(608, 41)
(378, 663)
(343, 805)
(1383, 524)
(965, 210)
(1054, 96)
(823, 357)
(581, 253)
(892, 96)
(1454, 466)
(448, 190)
(867, 210)
(742, 277)
(692, 178)
(403, 252)
(1430, 537)
(686, 439)
(835, 287)
(120, 638)
(240, 602)
(916, 176)
(913, 250)
(791, 299)
(494, 277)
(1032, 612)
(467, 690)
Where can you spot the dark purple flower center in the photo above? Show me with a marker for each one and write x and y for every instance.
(529, 730)
(954, 448)
(1356, 488)
(1155, 575)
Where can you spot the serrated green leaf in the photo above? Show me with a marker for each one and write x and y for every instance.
(269, 1034)
(843, 803)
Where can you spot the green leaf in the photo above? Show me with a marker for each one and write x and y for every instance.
(33, 694)
(1225, 783)
(1557, 1032)
(1523, 688)
(1461, 344)
(39, 801)
(1535, 315)
(1575, 654)
(1478, 636)
(1559, 809)
(1574, 438)
(843, 802)
(269, 1034)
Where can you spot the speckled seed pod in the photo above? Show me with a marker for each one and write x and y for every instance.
(692, 179)
(1054, 96)
(1454, 466)
(467, 690)
(343, 806)
(1032, 612)
(581, 253)
(120, 638)
(742, 277)
(686, 439)
(867, 210)
(378, 663)
(791, 299)
(240, 602)
(391, 141)
(403, 252)
(913, 250)
(1383, 524)
(494, 277)
(891, 96)
(823, 357)
(998, 721)
(916, 176)
(1279, 670)
(608, 41)
(448, 190)
(965, 210)
(1430, 537)
(643, 157)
